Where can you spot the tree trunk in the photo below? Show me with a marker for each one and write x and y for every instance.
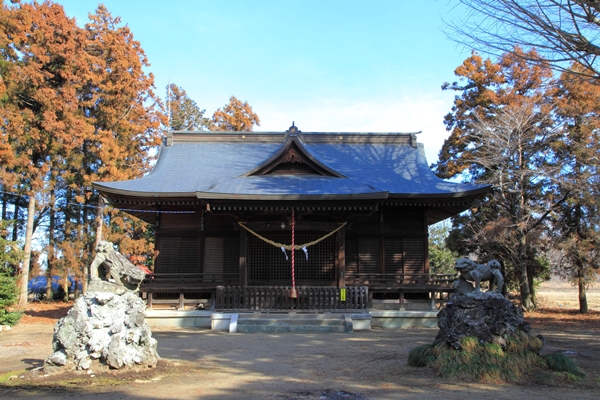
(66, 285)
(50, 260)
(24, 275)
(531, 280)
(15, 232)
(583, 303)
(4, 205)
(526, 298)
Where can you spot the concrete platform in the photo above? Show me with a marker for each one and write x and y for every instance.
(404, 319)
(304, 323)
(297, 321)
(180, 318)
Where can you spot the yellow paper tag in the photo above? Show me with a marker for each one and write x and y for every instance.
(343, 294)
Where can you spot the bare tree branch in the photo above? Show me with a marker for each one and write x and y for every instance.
(562, 31)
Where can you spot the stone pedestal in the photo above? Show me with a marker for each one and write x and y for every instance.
(106, 326)
(488, 316)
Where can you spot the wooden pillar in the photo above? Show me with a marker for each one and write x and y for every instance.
(381, 243)
(157, 238)
(181, 301)
(426, 244)
(401, 299)
(243, 255)
(341, 257)
(149, 300)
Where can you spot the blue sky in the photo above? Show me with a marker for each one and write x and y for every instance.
(330, 66)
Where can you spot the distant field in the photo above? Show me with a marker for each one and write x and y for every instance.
(557, 294)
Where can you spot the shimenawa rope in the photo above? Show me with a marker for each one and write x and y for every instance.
(287, 246)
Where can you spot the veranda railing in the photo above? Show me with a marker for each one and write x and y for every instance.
(277, 298)
(398, 279)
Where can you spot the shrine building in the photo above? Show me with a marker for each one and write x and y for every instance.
(225, 206)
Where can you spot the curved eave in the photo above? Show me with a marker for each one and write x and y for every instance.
(108, 191)
(147, 205)
(480, 191)
(271, 197)
(129, 193)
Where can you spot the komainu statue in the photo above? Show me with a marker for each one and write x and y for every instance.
(106, 326)
(112, 266)
(471, 271)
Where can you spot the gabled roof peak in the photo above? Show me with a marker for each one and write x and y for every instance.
(293, 158)
(293, 129)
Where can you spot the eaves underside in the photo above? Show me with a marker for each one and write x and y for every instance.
(146, 208)
(201, 198)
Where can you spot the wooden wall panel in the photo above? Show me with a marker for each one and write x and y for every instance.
(404, 222)
(180, 221)
(351, 256)
(368, 255)
(414, 253)
(231, 258)
(178, 254)
(214, 254)
(189, 251)
(362, 255)
(394, 256)
(168, 256)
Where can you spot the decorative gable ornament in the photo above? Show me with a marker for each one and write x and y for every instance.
(293, 158)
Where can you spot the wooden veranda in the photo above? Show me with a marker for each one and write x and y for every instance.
(223, 292)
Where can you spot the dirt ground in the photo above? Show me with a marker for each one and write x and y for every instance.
(202, 364)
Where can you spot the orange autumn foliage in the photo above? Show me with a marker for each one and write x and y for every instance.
(77, 107)
(235, 116)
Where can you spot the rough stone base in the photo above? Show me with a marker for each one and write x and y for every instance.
(488, 316)
(106, 328)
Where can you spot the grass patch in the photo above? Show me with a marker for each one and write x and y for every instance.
(491, 362)
(71, 380)
(5, 377)
(564, 367)
(65, 382)
(421, 356)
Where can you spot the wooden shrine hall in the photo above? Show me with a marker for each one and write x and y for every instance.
(225, 203)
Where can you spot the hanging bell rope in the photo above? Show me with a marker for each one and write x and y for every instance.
(294, 293)
(287, 246)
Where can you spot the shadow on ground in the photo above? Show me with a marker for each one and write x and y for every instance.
(203, 364)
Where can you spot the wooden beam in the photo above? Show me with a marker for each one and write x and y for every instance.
(340, 264)
(243, 255)
(381, 243)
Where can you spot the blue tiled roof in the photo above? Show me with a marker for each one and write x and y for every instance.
(216, 168)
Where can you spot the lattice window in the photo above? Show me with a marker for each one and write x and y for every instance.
(268, 263)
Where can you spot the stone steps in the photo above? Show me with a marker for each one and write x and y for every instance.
(304, 323)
